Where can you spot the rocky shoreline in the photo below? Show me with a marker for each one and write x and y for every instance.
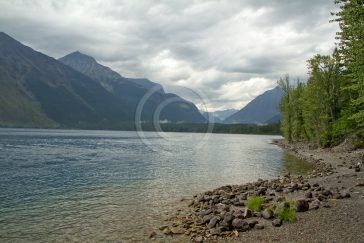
(243, 212)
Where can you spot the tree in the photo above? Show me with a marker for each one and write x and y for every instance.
(351, 50)
(286, 107)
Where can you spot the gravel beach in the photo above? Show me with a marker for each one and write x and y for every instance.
(329, 202)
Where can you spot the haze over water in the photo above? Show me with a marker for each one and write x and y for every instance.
(73, 185)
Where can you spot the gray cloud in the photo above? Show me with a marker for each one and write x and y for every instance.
(230, 50)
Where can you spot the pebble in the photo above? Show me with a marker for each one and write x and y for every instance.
(277, 222)
(259, 226)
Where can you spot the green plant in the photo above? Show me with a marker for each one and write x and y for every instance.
(286, 211)
(255, 203)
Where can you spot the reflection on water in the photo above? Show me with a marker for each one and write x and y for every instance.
(294, 165)
(63, 185)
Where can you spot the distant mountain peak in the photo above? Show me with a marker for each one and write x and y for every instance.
(79, 56)
(263, 109)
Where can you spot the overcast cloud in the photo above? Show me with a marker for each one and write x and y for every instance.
(230, 50)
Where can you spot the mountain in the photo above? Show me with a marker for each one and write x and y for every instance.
(263, 109)
(37, 90)
(175, 109)
(219, 116)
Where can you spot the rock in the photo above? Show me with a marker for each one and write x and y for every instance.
(252, 223)
(359, 184)
(199, 239)
(152, 234)
(301, 205)
(228, 217)
(167, 231)
(212, 222)
(345, 194)
(357, 169)
(238, 214)
(215, 231)
(240, 224)
(205, 212)
(321, 197)
(315, 204)
(267, 214)
(247, 213)
(326, 193)
(163, 227)
(177, 230)
(277, 222)
(206, 218)
(220, 207)
(308, 195)
(259, 226)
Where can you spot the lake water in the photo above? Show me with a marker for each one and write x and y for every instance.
(97, 186)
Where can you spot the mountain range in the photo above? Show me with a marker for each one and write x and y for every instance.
(219, 116)
(76, 91)
(264, 109)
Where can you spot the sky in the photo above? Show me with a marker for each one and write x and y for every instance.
(225, 52)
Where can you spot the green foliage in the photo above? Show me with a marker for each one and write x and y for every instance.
(287, 212)
(255, 203)
(330, 106)
(351, 48)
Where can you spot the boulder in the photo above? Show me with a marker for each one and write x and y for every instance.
(301, 205)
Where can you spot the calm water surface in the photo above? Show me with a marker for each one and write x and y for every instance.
(97, 186)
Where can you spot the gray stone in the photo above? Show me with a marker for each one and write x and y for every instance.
(308, 195)
(240, 224)
(277, 222)
(205, 212)
(247, 213)
(207, 218)
(199, 239)
(252, 223)
(267, 213)
(345, 194)
(259, 226)
(238, 214)
(301, 205)
(212, 222)
(215, 231)
(228, 217)
(315, 204)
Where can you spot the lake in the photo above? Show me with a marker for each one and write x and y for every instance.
(79, 185)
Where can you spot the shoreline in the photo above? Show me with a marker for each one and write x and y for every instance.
(329, 202)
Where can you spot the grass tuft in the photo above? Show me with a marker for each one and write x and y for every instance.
(287, 213)
(255, 203)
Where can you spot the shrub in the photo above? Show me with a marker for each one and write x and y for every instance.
(255, 203)
(286, 211)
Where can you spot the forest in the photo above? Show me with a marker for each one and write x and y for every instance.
(329, 108)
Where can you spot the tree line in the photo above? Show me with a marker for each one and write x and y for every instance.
(329, 107)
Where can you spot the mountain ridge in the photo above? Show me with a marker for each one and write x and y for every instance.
(261, 110)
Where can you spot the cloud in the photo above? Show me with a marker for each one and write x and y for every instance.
(230, 50)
